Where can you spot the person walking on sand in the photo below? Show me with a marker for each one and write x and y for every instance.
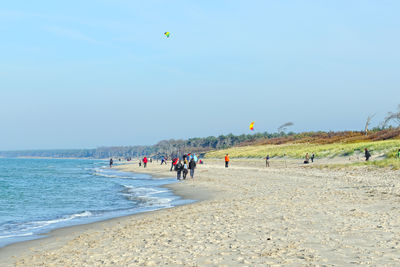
(144, 162)
(312, 157)
(178, 169)
(140, 163)
(227, 161)
(192, 166)
(173, 163)
(111, 162)
(267, 161)
(367, 154)
(185, 169)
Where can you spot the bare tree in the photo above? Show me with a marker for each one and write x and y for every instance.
(392, 117)
(370, 117)
(284, 126)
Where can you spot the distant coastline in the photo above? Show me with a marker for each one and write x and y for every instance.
(203, 145)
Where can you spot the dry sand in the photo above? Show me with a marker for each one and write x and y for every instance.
(248, 215)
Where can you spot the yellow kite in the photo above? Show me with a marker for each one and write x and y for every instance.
(251, 127)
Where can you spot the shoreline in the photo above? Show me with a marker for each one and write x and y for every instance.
(53, 238)
(251, 215)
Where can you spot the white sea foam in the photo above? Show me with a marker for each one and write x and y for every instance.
(111, 174)
(16, 235)
(64, 219)
(21, 229)
(147, 196)
(108, 175)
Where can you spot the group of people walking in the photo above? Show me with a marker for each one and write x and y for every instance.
(183, 168)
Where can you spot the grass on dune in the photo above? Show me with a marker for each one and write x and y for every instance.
(387, 147)
(392, 163)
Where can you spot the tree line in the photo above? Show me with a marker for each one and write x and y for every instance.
(169, 148)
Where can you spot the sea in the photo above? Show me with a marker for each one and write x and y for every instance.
(40, 195)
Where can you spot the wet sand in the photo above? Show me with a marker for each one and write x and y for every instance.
(249, 215)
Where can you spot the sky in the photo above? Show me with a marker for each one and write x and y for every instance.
(84, 74)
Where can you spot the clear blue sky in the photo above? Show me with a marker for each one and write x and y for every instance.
(81, 74)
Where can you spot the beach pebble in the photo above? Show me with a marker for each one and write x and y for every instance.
(150, 263)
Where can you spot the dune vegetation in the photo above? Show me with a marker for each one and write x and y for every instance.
(393, 163)
(383, 145)
(387, 148)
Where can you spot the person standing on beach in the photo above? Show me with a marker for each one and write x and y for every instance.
(312, 157)
(307, 159)
(111, 162)
(178, 169)
(140, 163)
(227, 161)
(144, 162)
(367, 154)
(192, 166)
(267, 161)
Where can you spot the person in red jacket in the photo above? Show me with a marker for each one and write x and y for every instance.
(173, 163)
(226, 161)
(144, 162)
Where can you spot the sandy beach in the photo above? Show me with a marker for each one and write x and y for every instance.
(247, 215)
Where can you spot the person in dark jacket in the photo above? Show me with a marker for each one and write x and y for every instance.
(367, 154)
(267, 161)
(172, 164)
(185, 169)
(192, 166)
(178, 169)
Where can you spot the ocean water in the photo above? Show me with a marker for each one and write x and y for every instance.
(39, 195)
